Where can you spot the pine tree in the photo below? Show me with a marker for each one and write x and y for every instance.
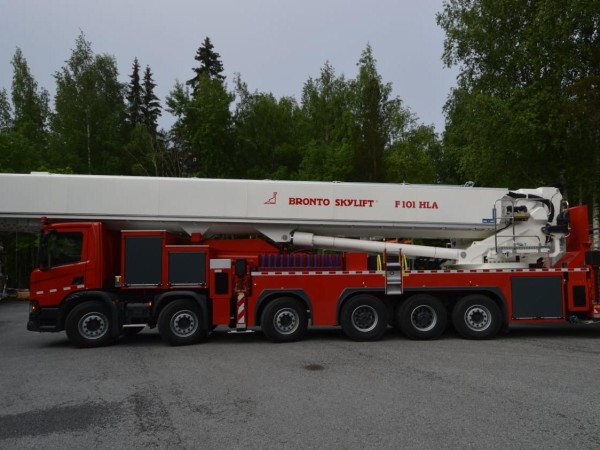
(210, 65)
(150, 108)
(134, 96)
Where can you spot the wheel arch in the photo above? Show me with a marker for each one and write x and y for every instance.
(270, 294)
(201, 299)
(349, 293)
(108, 299)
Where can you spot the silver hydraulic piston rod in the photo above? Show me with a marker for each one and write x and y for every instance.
(335, 243)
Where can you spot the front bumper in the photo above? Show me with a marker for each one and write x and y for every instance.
(44, 319)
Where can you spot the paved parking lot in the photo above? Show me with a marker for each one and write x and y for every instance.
(531, 389)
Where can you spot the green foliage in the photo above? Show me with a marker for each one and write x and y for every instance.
(150, 108)
(328, 126)
(17, 153)
(209, 119)
(343, 129)
(374, 110)
(134, 96)
(23, 132)
(354, 130)
(522, 114)
(266, 135)
(6, 120)
(88, 125)
(411, 159)
(203, 131)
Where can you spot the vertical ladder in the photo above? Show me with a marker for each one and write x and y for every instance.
(393, 273)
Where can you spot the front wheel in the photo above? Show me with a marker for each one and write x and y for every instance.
(284, 320)
(422, 317)
(89, 325)
(477, 317)
(364, 318)
(180, 323)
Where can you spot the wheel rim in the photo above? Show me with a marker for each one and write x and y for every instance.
(478, 318)
(286, 321)
(184, 323)
(365, 318)
(93, 325)
(423, 318)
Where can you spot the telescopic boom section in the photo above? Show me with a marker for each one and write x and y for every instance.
(273, 208)
(490, 223)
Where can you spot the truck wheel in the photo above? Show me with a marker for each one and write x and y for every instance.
(89, 325)
(284, 320)
(180, 323)
(477, 317)
(364, 318)
(422, 317)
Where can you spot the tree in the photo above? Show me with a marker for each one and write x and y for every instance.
(209, 121)
(150, 109)
(373, 110)
(134, 96)
(145, 147)
(179, 137)
(354, 130)
(526, 76)
(23, 125)
(88, 125)
(210, 65)
(328, 127)
(204, 125)
(266, 134)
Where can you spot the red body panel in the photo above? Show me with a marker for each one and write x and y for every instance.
(261, 272)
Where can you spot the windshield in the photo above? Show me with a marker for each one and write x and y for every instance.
(58, 249)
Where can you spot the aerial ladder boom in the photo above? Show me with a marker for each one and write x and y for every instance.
(491, 224)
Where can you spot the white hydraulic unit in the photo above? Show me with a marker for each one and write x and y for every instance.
(492, 224)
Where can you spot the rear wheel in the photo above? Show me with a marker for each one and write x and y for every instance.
(422, 317)
(180, 323)
(364, 318)
(284, 320)
(89, 325)
(477, 317)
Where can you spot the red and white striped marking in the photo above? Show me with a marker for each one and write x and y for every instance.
(241, 311)
(66, 289)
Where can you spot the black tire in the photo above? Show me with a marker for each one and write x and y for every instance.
(181, 323)
(477, 317)
(132, 331)
(364, 318)
(284, 320)
(90, 325)
(422, 317)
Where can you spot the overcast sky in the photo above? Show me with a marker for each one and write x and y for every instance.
(276, 45)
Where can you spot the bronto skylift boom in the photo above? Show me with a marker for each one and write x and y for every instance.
(488, 226)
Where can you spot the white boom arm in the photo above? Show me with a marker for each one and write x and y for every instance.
(281, 210)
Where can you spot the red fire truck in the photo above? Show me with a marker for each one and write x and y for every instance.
(118, 254)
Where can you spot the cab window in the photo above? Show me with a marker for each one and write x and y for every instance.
(63, 248)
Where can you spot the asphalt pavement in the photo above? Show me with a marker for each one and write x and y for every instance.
(537, 387)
